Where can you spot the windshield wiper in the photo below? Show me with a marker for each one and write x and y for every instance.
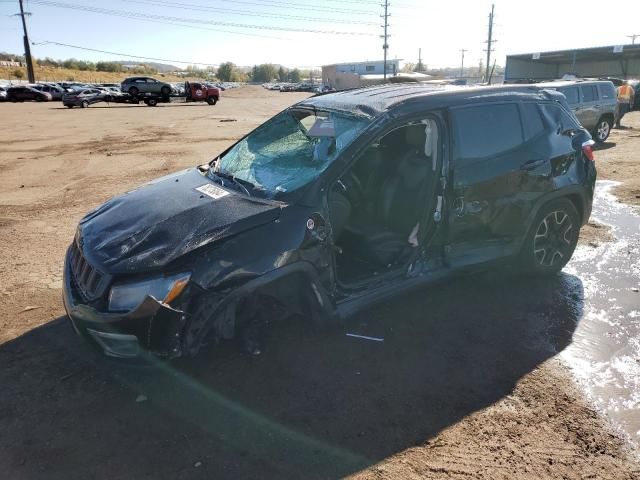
(236, 181)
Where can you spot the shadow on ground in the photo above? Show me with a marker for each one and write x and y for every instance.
(604, 146)
(314, 405)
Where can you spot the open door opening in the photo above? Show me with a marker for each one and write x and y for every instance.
(380, 209)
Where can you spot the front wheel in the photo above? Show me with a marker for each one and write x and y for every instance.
(165, 91)
(552, 238)
(84, 104)
(133, 91)
(602, 130)
(69, 106)
(212, 100)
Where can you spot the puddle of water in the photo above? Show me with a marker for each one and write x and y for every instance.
(605, 352)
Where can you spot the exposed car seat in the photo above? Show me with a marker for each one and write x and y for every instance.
(339, 212)
(397, 206)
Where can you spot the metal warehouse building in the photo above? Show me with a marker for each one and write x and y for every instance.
(622, 61)
(352, 75)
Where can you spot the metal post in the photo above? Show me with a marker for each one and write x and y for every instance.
(489, 42)
(27, 48)
(462, 50)
(385, 46)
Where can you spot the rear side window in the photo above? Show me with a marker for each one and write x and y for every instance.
(531, 120)
(557, 118)
(589, 93)
(572, 95)
(487, 130)
(606, 90)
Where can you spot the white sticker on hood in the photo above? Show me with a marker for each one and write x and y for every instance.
(213, 191)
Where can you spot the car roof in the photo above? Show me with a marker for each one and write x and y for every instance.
(569, 83)
(373, 101)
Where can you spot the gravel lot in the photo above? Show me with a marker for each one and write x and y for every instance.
(465, 385)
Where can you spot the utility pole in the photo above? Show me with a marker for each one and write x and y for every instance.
(462, 50)
(419, 66)
(27, 48)
(385, 45)
(633, 38)
(490, 41)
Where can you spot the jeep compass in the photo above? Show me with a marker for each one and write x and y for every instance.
(335, 204)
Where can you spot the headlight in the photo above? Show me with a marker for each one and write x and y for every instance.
(127, 296)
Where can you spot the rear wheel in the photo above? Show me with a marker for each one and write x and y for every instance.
(69, 106)
(152, 102)
(552, 238)
(602, 130)
(166, 91)
(84, 104)
(134, 91)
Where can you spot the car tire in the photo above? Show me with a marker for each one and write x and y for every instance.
(165, 91)
(84, 104)
(212, 100)
(134, 91)
(69, 106)
(152, 102)
(602, 130)
(552, 238)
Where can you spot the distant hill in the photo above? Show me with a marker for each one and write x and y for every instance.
(160, 67)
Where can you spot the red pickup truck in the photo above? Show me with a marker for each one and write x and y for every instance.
(201, 92)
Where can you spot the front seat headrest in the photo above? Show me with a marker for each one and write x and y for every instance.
(415, 136)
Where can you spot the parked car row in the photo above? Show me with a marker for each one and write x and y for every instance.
(131, 90)
(44, 92)
(298, 87)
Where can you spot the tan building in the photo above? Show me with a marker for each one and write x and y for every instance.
(342, 76)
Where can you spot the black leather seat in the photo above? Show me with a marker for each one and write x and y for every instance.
(399, 204)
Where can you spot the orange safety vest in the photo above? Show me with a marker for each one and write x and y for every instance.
(624, 93)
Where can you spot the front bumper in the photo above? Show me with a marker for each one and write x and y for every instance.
(152, 327)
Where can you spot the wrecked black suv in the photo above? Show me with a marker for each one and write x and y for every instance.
(336, 203)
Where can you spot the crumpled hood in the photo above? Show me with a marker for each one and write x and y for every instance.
(160, 221)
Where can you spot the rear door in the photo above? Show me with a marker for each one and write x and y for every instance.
(153, 86)
(495, 150)
(590, 106)
(573, 99)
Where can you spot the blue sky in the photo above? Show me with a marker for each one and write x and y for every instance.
(184, 29)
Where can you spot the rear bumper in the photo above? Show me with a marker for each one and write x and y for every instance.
(153, 327)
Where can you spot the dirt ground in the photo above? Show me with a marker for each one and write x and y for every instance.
(465, 384)
(619, 159)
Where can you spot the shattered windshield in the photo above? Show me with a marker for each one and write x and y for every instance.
(290, 150)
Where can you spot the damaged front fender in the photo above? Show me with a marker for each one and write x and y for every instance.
(217, 315)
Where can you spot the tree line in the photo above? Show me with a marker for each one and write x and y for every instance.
(226, 72)
(266, 72)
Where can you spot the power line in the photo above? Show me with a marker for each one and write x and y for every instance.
(138, 15)
(297, 6)
(205, 8)
(49, 42)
